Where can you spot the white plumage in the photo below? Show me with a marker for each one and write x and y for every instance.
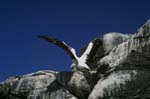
(78, 63)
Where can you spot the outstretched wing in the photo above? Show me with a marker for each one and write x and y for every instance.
(87, 51)
(59, 43)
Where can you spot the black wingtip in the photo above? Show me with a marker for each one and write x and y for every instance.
(47, 38)
(41, 36)
(44, 37)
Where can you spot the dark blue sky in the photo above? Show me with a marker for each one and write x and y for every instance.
(74, 21)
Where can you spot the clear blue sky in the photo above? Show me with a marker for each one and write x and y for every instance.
(74, 21)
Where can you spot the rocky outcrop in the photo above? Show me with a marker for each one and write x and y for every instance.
(76, 83)
(39, 85)
(47, 85)
(120, 70)
(128, 64)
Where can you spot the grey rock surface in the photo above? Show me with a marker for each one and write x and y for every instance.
(38, 85)
(125, 84)
(77, 83)
(135, 51)
(120, 66)
(128, 72)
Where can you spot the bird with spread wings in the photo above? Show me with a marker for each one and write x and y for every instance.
(78, 63)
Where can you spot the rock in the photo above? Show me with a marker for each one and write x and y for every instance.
(38, 85)
(112, 39)
(128, 74)
(135, 51)
(122, 85)
(76, 83)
